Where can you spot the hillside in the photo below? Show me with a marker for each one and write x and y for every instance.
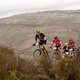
(18, 31)
(17, 34)
(45, 18)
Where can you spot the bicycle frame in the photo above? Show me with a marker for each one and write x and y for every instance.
(55, 49)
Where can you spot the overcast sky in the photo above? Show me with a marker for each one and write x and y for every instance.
(11, 7)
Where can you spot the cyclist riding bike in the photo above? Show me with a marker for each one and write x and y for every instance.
(71, 45)
(40, 39)
(56, 42)
(66, 48)
(56, 46)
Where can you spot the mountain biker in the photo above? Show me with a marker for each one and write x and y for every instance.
(71, 44)
(66, 48)
(57, 47)
(41, 37)
(56, 42)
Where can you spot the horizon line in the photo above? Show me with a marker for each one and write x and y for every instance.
(14, 14)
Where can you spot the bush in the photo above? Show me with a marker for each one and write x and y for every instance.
(15, 68)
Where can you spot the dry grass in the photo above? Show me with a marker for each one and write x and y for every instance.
(15, 68)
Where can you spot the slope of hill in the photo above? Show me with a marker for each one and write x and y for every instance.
(18, 30)
(45, 18)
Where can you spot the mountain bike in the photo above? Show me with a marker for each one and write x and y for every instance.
(56, 54)
(70, 52)
(40, 52)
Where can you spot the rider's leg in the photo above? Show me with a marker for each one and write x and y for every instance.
(58, 51)
(44, 44)
(58, 48)
(44, 48)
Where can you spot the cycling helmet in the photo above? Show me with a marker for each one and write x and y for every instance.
(66, 43)
(56, 37)
(38, 30)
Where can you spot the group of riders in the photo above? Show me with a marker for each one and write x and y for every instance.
(41, 39)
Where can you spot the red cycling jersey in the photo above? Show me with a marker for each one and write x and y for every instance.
(57, 42)
(72, 46)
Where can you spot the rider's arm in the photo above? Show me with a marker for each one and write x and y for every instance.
(45, 38)
(36, 37)
(51, 44)
(75, 46)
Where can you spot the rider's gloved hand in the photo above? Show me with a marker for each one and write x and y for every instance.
(34, 44)
(50, 47)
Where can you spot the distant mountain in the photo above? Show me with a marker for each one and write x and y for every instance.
(45, 18)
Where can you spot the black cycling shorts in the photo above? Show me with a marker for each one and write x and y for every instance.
(43, 42)
(65, 49)
(58, 46)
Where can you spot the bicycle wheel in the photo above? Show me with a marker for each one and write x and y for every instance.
(45, 53)
(56, 55)
(37, 54)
